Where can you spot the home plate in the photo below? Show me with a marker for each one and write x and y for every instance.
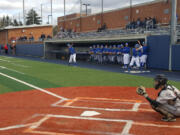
(90, 113)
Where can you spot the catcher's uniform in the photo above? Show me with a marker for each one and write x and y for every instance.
(167, 95)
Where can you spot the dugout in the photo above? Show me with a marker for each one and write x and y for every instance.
(58, 49)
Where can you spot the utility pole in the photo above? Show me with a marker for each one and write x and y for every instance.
(19, 16)
(173, 30)
(33, 16)
(41, 14)
(130, 6)
(24, 22)
(86, 5)
(64, 14)
(102, 11)
(51, 14)
(80, 15)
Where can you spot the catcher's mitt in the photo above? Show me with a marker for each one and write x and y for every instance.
(141, 91)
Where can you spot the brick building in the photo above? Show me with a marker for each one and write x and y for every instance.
(160, 9)
(8, 33)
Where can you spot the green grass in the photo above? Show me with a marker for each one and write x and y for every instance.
(47, 75)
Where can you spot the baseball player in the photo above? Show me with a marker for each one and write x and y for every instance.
(135, 57)
(105, 54)
(114, 53)
(167, 102)
(110, 53)
(72, 53)
(119, 54)
(144, 56)
(97, 53)
(100, 54)
(91, 53)
(126, 57)
(94, 53)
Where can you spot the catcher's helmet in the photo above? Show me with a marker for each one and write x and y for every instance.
(161, 79)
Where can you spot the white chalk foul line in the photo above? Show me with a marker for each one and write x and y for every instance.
(35, 87)
(16, 127)
(19, 65)
(5, 60)
(12, 70)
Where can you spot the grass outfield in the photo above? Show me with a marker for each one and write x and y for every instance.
(48, 75)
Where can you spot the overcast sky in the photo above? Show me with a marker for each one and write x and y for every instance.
(14, 9)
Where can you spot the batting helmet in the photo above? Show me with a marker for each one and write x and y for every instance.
(137, 46)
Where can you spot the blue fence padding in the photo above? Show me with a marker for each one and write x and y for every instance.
(158, 51)
(30, 50)
(175, 57)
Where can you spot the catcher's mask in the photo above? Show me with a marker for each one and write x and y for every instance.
(161, 81)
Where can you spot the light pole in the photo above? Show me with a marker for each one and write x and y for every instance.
(102, 11)
(64, 14)
(130, 10)
(41, 14)
(24, 13)
(48, 18)
(86, 5)
(51, 13)
(173, 31)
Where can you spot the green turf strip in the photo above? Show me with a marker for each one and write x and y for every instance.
(47, 75)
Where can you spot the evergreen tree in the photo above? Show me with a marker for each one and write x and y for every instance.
(33, 18)
(15, 23)
(20, 23)
(5, 21)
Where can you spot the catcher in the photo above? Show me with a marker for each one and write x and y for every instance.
(168, 101)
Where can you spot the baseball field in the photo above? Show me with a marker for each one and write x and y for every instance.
(41, 98)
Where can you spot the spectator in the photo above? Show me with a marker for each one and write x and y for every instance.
(103, 27)
(1, 49)
(6, 48)
(49, 37)
(43, 37)
(31, 38)
(25, 38)
(13, 47)
(154, 22)
(138, 22)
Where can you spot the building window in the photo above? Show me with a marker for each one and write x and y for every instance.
(98, 21)
(126, 17)
(166, 11)
(137, 11)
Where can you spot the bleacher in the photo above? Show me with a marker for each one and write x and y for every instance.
(178, 33)
(160, 30)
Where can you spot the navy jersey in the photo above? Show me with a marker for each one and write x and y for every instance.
(126, 50)
(72, 50)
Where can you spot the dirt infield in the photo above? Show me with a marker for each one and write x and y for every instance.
(86, 111)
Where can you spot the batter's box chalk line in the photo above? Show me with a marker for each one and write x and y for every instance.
(125, 131)
(68, 104)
